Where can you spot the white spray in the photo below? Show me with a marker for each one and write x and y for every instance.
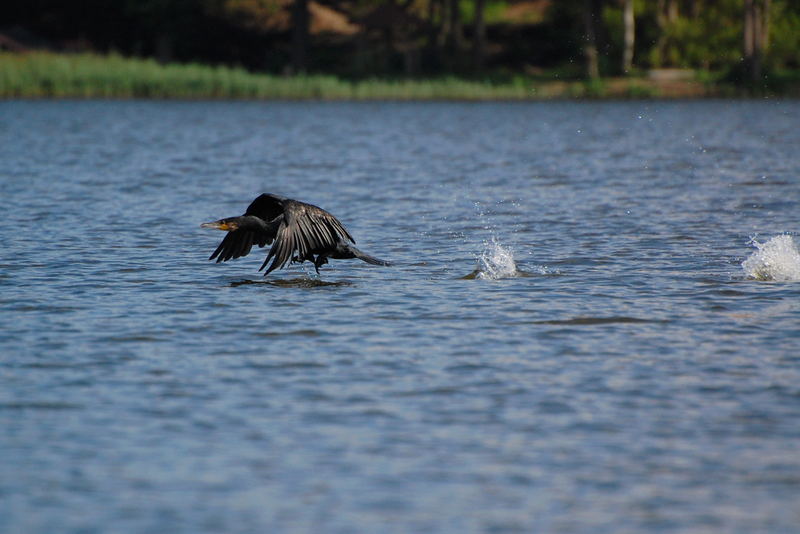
(496, 261)
(778, 260)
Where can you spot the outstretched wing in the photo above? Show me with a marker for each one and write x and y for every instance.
(239, 242)
(305, 229)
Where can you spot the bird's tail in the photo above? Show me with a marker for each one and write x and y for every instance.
(369, 259)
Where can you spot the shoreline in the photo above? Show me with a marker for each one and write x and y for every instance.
(44, 75)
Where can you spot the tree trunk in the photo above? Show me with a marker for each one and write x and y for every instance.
(672, 10)
(666, 12)
(694, 8)
(591, 22)
(454, 33)
(432, 48)
(479, 37)
(300, 25)
(748, 44)
(756, 36)
(629, 23)
(666, 15)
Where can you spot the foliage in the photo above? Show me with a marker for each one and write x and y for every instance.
(414, 38)
(784, 47)
(710, 36)
(710, 39)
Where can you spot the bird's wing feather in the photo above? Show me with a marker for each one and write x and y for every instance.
(238, 243)
(305, 229)
(322, 220)
(281, 251)
(266, 206)
(235, 245)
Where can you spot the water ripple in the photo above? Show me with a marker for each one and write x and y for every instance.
(621, 353)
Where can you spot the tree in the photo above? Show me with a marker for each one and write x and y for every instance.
(666, 17)
(756, 35)
(592, 18)
(454, 36)
(628, 22)
(300, 26)
(479, 37)
(434, 23)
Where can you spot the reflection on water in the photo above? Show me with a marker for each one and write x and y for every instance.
(611, 370)
(597, 320)
(294, 282)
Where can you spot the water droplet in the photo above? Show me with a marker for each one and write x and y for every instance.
(496, 262)
(778, 259)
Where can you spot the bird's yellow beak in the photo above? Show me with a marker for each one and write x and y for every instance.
(216, 225)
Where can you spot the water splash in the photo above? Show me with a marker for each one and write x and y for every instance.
(777, 260)
(494, 263)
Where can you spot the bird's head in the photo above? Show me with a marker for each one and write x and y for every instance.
(226, 225)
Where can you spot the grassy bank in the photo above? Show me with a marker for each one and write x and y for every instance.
(44, 75)
(47, 75)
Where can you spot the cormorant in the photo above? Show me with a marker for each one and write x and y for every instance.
(296, 230)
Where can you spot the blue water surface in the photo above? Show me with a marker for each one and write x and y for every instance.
(629, 378)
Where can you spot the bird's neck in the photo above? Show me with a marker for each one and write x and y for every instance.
(251, 222)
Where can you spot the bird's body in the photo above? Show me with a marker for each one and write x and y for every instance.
(296, 230)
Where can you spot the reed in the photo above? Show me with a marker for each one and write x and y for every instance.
(50, 75)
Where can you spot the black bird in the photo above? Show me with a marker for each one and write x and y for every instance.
(297, 231)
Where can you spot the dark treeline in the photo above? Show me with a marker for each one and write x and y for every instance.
(423, 37)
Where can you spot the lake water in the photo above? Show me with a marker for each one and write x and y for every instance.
(568, 340)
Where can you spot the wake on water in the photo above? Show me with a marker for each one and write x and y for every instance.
(776, 260)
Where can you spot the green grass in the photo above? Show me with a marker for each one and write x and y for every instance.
(47, 75)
